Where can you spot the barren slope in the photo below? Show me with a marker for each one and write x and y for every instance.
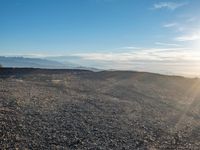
(77, 109)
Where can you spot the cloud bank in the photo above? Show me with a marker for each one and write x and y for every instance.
(177, 61)
(189, 37)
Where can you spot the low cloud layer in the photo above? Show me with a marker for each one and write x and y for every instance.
(168, 61)
(189, 37)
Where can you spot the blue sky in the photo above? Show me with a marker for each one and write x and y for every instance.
(104, 32)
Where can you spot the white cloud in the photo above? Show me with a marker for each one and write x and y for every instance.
(167, 44)
(177, 61)
(170, 54)
(169, 5)
(170, 25)
(130, 47)
(189, 37)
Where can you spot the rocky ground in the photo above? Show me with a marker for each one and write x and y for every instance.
(77, 109)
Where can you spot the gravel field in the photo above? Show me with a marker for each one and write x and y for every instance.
(79, 109)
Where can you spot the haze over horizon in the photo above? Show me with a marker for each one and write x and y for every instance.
(160, 36)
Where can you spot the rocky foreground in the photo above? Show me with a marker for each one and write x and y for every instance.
(77, 109)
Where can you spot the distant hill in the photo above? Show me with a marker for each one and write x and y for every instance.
(19, 62)
(74, 60)
(22, 62)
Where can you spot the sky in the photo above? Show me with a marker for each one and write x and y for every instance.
(147, 35)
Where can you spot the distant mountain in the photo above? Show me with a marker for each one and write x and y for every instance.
(21, 62)
(74, 61)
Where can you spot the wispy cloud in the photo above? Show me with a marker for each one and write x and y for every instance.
(167, 44)
(154, 54)
(169, 5)
(170, 25)
(191, 19)
(130, 47)
(189, 37)
(178, 27)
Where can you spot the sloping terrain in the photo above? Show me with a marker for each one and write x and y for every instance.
(77, 109)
